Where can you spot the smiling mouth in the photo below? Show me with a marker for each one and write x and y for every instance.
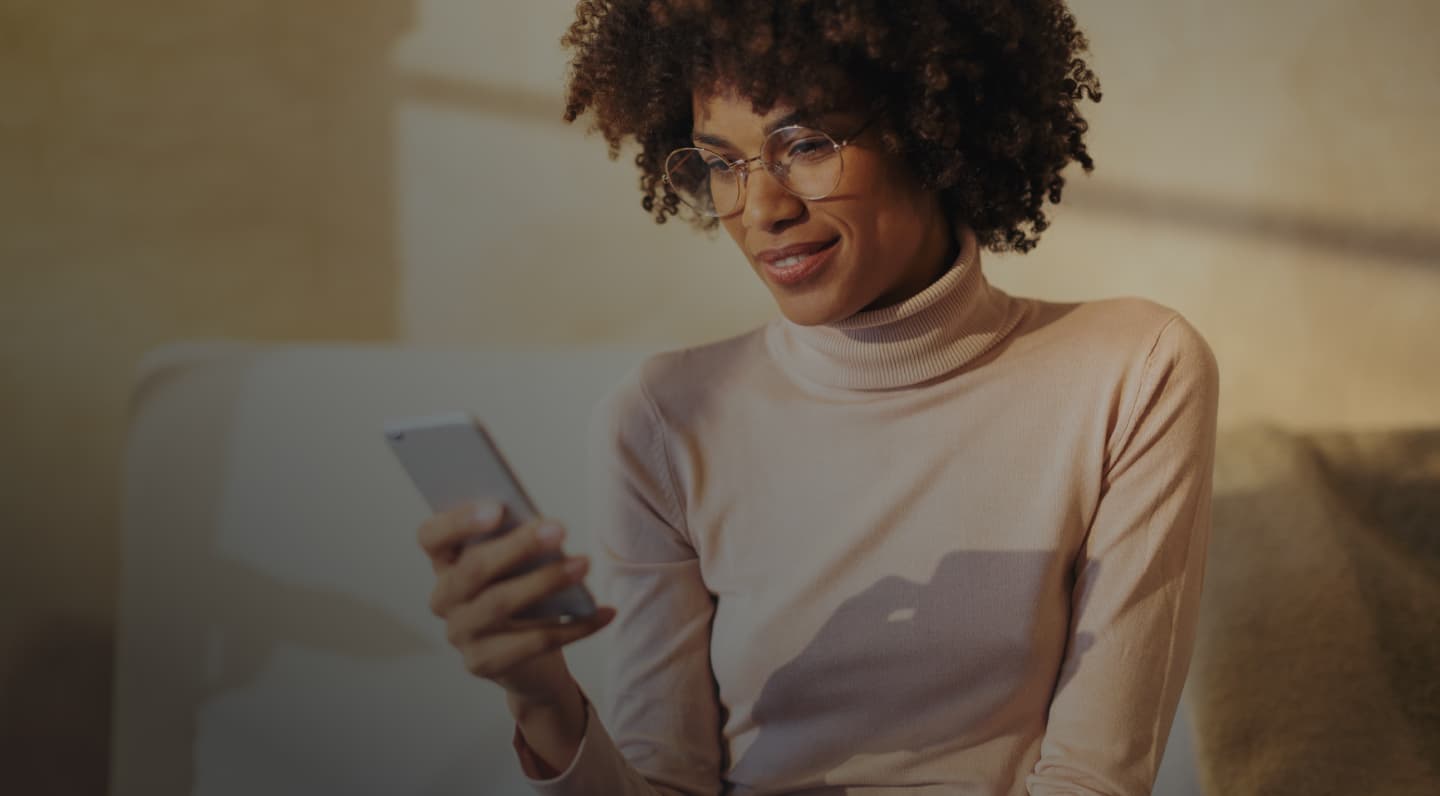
(800, 267)
(795, 259)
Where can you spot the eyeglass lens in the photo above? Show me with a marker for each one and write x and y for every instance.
(804, 160)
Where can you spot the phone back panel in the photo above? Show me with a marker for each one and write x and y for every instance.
(452, 460)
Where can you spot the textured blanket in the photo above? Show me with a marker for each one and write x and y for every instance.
(1317, 667)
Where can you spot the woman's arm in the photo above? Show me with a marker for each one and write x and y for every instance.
(662, 735)
(549, 730)
(1137, 582)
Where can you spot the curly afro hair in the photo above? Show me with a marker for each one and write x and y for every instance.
(981, 94)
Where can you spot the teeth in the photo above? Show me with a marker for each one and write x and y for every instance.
(789, 261)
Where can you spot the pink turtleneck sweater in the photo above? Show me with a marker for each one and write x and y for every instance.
(952, 546)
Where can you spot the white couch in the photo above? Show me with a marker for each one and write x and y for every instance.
(273, 633)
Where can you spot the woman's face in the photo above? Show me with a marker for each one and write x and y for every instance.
(884, 237)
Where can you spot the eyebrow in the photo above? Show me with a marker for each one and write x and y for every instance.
(794, 117)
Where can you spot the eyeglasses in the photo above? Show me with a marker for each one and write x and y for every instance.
(805, 161)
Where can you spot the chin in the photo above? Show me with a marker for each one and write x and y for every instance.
(829, 299)
(815, 312)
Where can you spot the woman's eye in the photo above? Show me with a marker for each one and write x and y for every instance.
(810, 147)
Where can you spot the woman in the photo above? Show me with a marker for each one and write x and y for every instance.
(915, 535)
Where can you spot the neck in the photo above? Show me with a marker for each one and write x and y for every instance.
(942, 247)
(935, 332)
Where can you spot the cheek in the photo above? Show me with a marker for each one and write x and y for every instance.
(736, 230)
(896, 187)
(887, 206)
(901, 209)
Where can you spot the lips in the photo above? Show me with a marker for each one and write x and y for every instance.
(798, 263)
(773, 256)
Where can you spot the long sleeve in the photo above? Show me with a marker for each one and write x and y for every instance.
(662, 733)
(1138, 576)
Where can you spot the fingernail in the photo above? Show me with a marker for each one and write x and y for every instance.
(550, 533)
(576, 566)
(487, 513)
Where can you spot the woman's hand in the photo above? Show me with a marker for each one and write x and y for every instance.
(478, 592)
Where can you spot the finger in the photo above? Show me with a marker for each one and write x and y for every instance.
(442, 535)
(494, 607)
(491, 656)
(484, 563)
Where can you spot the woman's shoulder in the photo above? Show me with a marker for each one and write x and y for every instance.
(684, 373)
(1117, 345)
(1124, 327)
(681, 376)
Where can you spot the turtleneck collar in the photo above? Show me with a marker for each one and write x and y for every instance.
(943, 327)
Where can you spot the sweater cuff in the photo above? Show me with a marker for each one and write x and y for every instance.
(544, 778)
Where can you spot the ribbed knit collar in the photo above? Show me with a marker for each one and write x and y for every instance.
(943, 327)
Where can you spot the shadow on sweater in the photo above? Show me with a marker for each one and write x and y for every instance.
(931, 643)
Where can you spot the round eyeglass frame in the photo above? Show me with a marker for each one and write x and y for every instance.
(777, 171)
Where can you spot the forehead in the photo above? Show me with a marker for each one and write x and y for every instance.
(730, 108)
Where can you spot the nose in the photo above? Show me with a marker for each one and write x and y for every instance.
(767, 203)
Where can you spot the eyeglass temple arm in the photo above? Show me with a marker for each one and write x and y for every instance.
(880, 111)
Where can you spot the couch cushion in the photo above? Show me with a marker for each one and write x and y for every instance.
(1315, 670)
(273, 633)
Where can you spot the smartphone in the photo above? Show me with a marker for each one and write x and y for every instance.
(452, 459)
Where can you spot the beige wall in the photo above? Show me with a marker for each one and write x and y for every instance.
(1267, 169)
(166, 170)
(387, 168)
